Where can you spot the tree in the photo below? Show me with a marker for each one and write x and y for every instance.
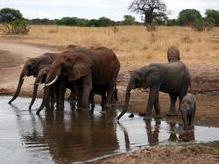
(128, 20)
(172, 22)
(148, 9)
(160, 18)
(189, 16)
(212, 14)
(8, 15)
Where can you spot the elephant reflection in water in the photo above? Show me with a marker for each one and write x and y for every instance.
(72, 136)
(153, 133)
(184, 135)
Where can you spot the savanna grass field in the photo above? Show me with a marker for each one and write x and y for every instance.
(135, 47)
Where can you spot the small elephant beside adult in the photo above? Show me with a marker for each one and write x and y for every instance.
(188, 109)
(86, 67)
(172, 78)
(38, 68)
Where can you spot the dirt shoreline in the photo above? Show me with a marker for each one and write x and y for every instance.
(196, 153)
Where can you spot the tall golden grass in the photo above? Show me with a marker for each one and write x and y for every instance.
(134, 45)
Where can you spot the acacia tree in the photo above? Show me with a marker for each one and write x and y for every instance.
(148, 9)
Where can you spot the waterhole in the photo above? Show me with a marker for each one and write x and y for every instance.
(77, 136)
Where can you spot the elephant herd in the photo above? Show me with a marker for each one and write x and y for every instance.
(90, 71)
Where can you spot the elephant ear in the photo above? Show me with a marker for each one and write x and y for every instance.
(81, 67)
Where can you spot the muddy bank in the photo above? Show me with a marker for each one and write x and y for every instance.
(197, 153)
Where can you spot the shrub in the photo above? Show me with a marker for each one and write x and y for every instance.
(203, 24)
(19, 26)
(198, 25)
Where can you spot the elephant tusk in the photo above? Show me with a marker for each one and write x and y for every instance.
(53, 81)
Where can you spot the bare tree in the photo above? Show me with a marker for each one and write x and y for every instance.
(148, 9)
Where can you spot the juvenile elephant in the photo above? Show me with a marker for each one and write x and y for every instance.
(36, 67)
(173, 78)
(188, 109)
(173, 54)
(86, 68)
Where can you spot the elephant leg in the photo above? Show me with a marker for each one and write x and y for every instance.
(34, 95)
(103, 100)
(52, 98)
(157, 106)
(61, 96)
(151, 101)
(172, 111)
(110, 92)
(185, 119)
(92, 101)
(72, 100)
(86, 90)
(191, 120)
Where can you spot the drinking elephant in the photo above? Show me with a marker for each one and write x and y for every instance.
(34, 67)
(85, 68)
(188, 108)
(173, 78)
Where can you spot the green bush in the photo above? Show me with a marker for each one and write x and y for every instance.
(19, 26)
(198, 25)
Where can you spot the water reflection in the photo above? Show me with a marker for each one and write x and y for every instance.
(66, 137)
(153, 133)
(71, 136)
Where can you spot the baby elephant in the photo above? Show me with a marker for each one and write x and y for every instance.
(188, 108)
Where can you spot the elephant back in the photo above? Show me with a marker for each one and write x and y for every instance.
(106, 65)
(175, 77)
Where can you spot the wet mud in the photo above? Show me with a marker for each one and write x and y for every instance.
(77, 136)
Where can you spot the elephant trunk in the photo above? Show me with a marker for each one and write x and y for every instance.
(45, 100)
(36, 85)
(127, 98)
(20, 83)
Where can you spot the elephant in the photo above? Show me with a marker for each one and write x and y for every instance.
(188, 109)
(37, 67)
(173, 54)
(173, 78)
(85, 68)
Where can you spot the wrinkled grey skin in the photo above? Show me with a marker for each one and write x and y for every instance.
(172, 78)
(188, 109)
(36, 67)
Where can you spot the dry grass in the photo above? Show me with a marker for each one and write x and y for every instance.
(134, 45)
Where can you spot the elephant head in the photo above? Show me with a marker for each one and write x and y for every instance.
(73, 64)
(138, 80)
(173, 54)
(29, 69)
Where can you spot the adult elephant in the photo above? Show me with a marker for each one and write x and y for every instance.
(173, 78)
(86, 67)
(38, 68)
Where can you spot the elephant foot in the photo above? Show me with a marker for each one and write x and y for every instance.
(173, 113)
